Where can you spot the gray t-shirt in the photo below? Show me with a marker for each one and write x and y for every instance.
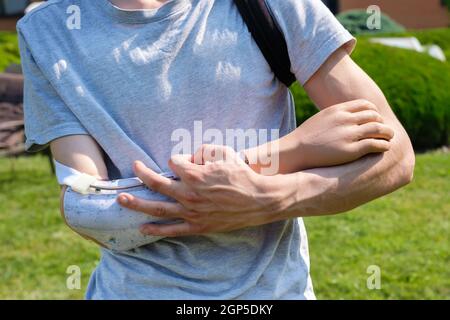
(130, 79)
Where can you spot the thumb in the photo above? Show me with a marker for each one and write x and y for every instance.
(182, 163)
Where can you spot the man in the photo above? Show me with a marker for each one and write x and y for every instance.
(116, 89)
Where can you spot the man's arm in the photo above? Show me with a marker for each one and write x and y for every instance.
(80, 152)
(341, 188)
(228, 195)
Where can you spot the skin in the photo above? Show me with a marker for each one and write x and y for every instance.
(353, 151)
(138, 4)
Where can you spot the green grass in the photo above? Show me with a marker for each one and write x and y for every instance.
(406, 234)
(35, 246)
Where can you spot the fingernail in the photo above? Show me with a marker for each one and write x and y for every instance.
(144, 230)
(177, 159)
(124, 199)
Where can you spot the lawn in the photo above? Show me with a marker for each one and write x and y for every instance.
(406, 234)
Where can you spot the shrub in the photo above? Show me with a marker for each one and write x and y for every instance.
(355, 21)
(441, 37)
(415, 85)
(447, 3)
(9, 49)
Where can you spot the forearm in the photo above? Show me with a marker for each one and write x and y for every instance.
(287, 152)
(336, 135)
(340, 188)
(331, 190)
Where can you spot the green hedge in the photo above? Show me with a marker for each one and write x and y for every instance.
(416, 86)
(441, 37)
(9, 50)
(447, 3)
(355, 21)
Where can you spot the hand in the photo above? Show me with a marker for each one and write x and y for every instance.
(343, 133)
(217, 196)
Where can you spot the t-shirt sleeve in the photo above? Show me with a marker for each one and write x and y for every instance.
(46, 116)
(312, 34)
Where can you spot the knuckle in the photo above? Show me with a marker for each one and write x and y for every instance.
(191, 214)
(374, 145)
(391, 133)
(193, 176)
(369, 105)
(208, 152)
(337, 108)
(387, 146)
(345, 115)
(374, 115)
(201, 228)
(376, 128)
(160, 211)
(352, 118)
(359, 135)
(363, 102)
(357, 149)
(384, 147)
(191, 197)
(367, 147)
(228, 149)
(173, 233)
(206, 146)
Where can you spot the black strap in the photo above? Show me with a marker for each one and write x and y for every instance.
(268, 37)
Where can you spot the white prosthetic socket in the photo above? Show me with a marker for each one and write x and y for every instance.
(90, 209)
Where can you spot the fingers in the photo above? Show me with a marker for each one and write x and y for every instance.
(367, 116)
(373, 146)
(191, 169)
(158, 183)
(172, 230)
(375, 130)
(213, 153)
(158, 209)
(207, 152)
(359, 105)
(184, 168)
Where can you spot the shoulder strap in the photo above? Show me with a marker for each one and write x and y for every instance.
(268, 37)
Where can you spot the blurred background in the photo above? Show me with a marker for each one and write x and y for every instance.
(405, 234)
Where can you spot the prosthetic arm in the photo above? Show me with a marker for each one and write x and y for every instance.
(89, 208)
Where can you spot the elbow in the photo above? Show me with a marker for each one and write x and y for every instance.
(406, 167)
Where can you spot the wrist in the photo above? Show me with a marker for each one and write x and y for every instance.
(280, 194)
(250, 157)
(299, 194)
(302, 151)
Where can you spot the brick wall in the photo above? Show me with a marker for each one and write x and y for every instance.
(413, 14)
(9, 23)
